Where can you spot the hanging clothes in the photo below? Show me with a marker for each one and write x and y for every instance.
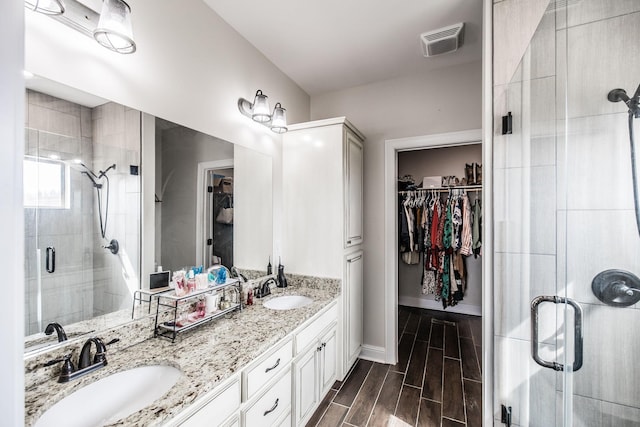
(477, 228)
(467, 237)
(442, 233)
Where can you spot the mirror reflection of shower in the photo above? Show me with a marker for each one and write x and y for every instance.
(96, 180)
(633, 103)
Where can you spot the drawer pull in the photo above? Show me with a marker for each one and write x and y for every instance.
(273, 408)
(273, 367)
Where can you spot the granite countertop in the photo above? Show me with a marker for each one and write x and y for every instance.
(206, 355)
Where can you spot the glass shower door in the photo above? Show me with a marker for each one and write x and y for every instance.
(567, 249)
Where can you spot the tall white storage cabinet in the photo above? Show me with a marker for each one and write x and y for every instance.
(322, 217)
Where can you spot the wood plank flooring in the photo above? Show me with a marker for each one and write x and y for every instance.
(437, 381)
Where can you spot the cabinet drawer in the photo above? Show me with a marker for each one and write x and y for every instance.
(218, 409)
(266, 411)
(311, 332)
(268, 368)
(284, 421)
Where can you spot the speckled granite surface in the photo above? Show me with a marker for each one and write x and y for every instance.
(81, 330)
(206, 355)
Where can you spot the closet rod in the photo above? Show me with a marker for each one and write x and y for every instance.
(444, 189)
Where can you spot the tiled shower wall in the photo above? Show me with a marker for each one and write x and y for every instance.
(564, 208)
(88, 280)
(116, 137)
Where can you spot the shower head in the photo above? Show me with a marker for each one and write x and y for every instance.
(617, 95)
(633, 103)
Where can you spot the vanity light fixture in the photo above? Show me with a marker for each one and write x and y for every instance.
(48, 7)
(114, 29)
(260, 112)
(111, 27)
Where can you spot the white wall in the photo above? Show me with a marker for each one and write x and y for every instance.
(11, 215)
(190, 68)
(253, 209)
(444, 100)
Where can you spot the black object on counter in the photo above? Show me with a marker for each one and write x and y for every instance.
(282, 281)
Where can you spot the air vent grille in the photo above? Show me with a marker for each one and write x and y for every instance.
(442, 40)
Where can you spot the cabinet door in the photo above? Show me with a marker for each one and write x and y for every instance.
(328, 361)
(306, 384)
(354, 312)
(353, 195)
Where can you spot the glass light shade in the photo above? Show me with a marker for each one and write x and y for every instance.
(48, 7)
(279, 119)
(114, 29)
(261, 112)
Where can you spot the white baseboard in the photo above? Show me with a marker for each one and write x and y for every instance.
(474, 310)
(373, 353)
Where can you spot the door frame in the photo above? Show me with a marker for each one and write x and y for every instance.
(392, 148)
(442, 140)
(201, 191)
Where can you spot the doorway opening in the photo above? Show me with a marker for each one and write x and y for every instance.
(393, 149)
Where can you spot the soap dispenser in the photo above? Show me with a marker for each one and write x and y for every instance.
(282, 281)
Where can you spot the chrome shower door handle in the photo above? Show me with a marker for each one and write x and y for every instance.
(50, 260)
(577, 333)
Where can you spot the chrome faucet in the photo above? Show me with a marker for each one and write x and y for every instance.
(62, 336)
(85, 364)
(264, 289)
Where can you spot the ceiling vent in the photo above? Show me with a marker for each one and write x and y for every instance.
(443, 40)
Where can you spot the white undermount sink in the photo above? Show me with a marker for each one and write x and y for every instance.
(111, 398)
(287, 302)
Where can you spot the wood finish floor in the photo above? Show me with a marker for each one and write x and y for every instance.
(436, 382)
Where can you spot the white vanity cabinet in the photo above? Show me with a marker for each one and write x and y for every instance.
(316, 363)
(323, 216)
(353, 188)
(282, 387)
(315, 372)
(217, 408)
(352, 298)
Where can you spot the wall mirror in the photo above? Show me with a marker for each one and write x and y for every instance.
(86, 251)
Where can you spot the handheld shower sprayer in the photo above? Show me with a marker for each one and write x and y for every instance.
(97, 184)
(633, 103)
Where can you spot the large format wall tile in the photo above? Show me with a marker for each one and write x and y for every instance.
(518, 279)
(594, 165)
(611, 370)
(518, 22)
(585, 11)
(602, 56)
(522, 384)
(597, 241)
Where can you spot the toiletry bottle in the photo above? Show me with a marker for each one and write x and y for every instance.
(282, 281)
(250, 296)
(269, 268)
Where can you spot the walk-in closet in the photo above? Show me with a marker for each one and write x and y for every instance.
(440, 228)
